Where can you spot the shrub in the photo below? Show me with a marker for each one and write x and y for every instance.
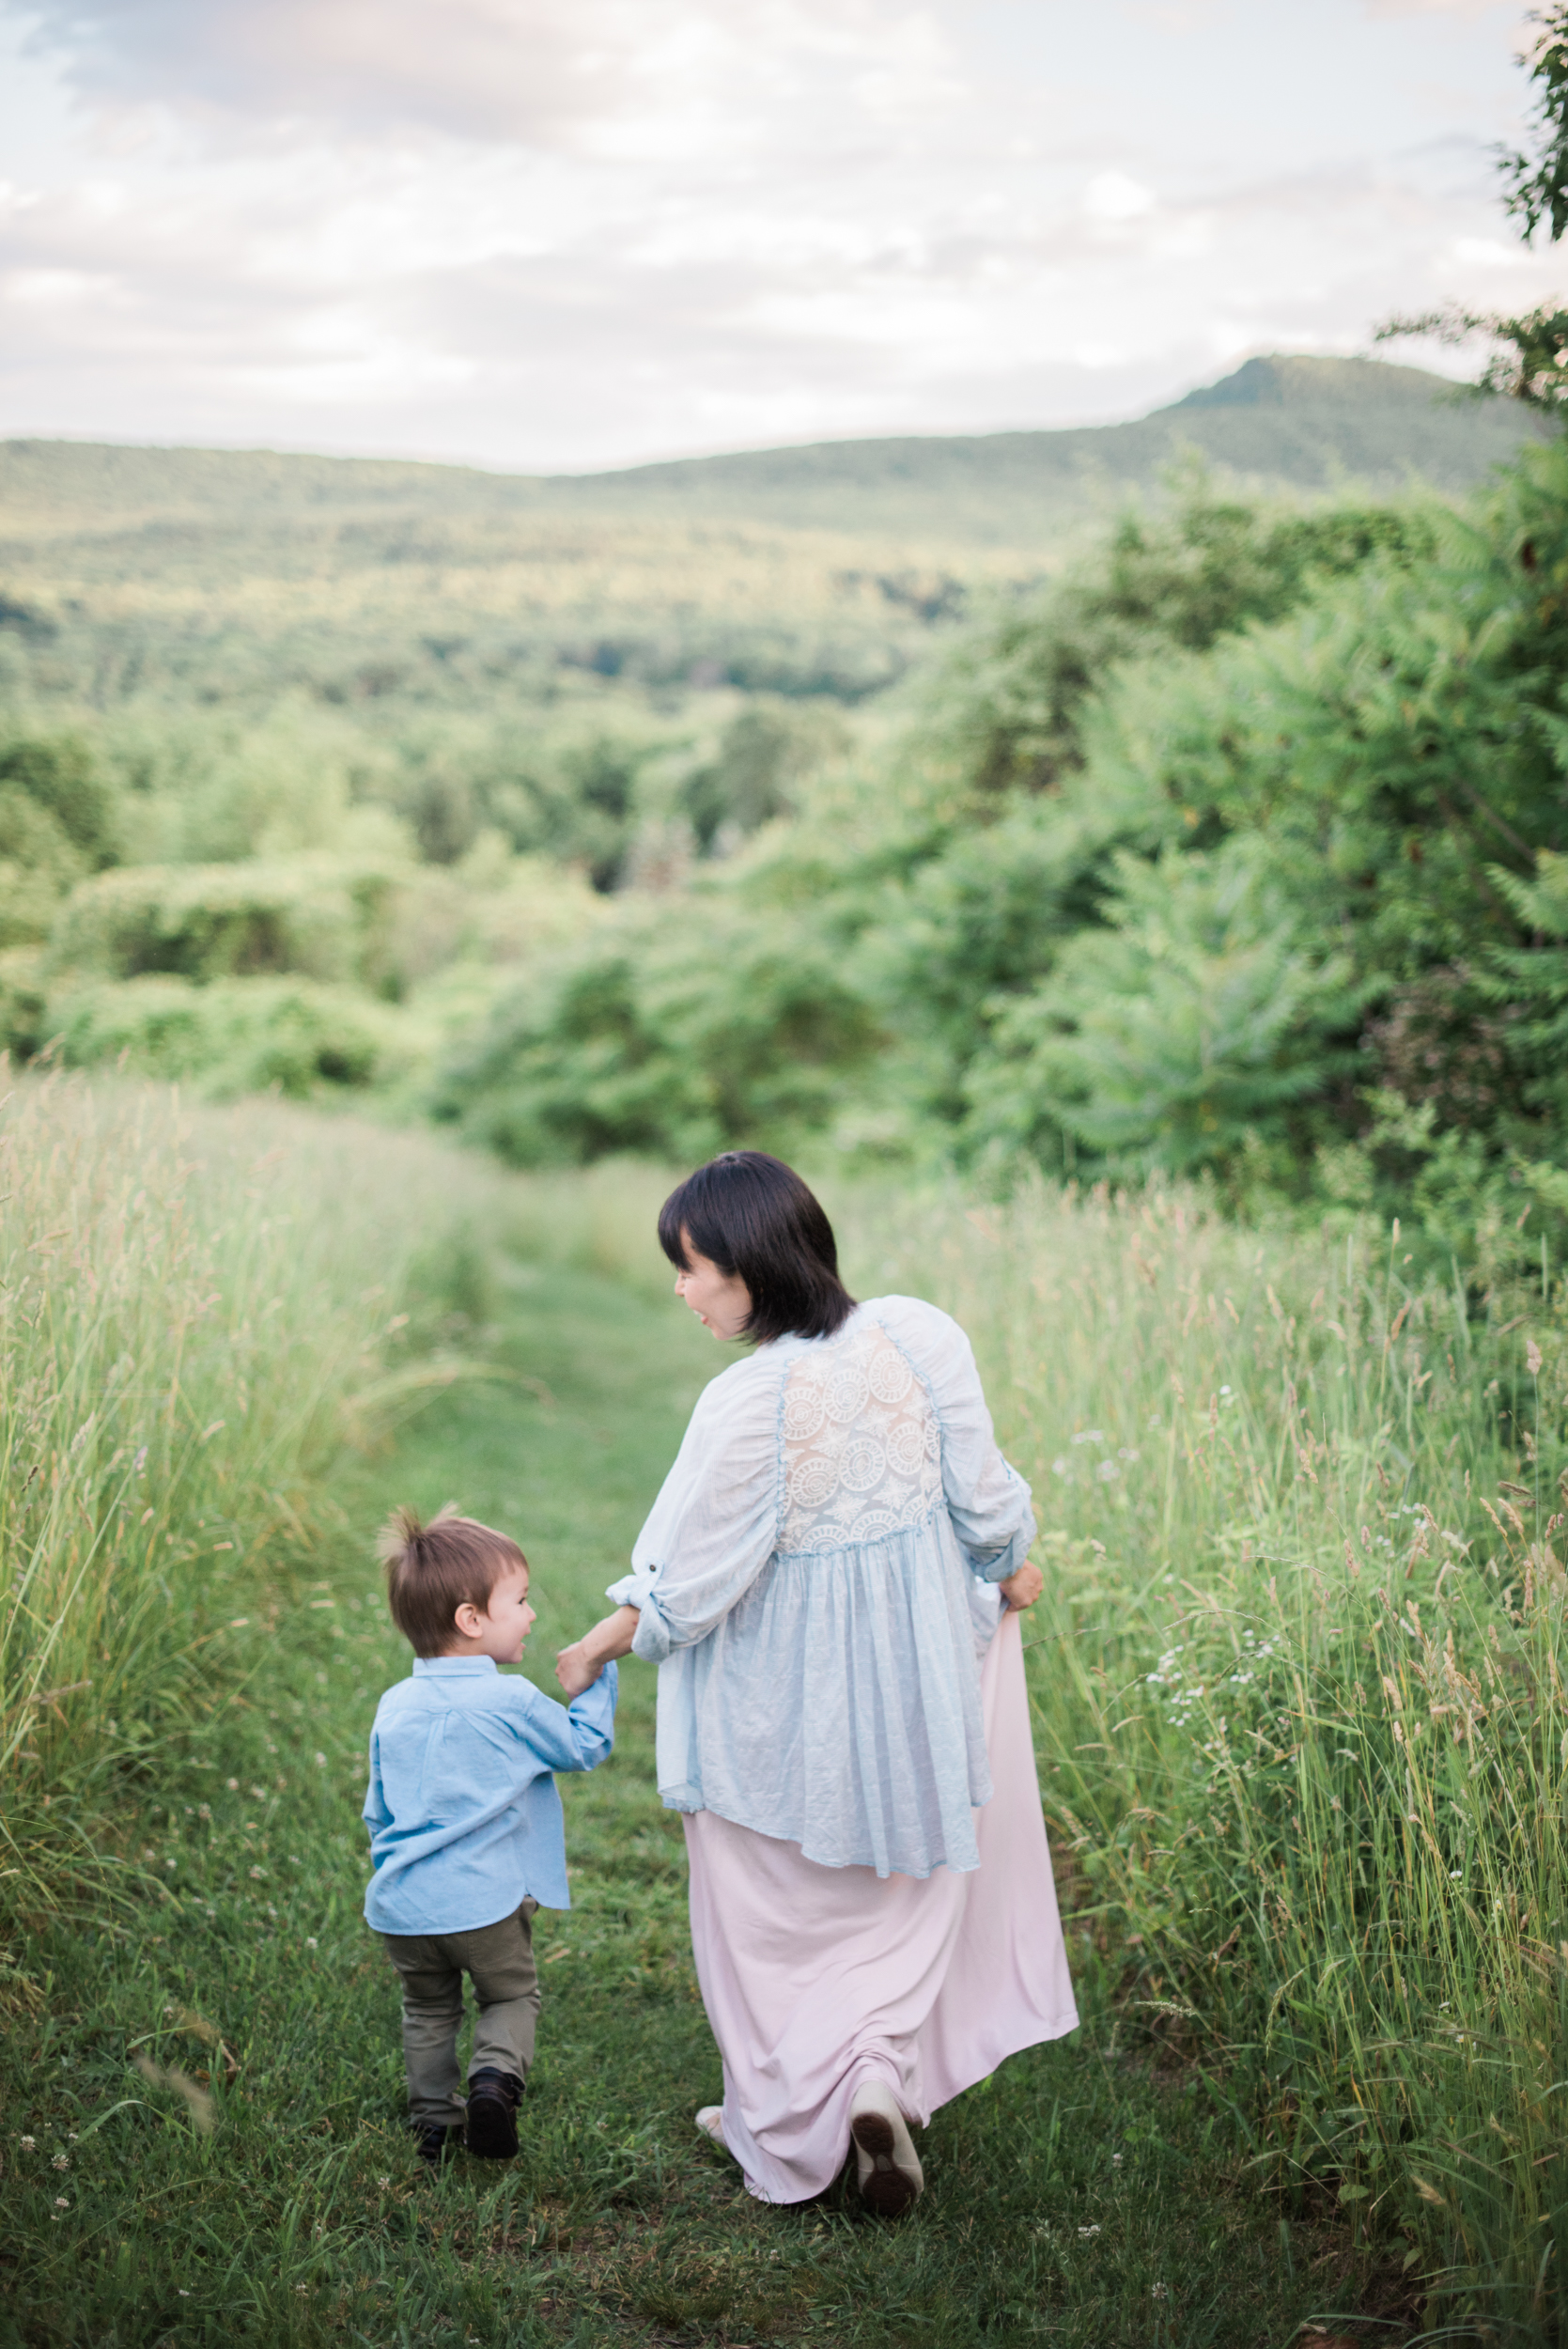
(241, 1035)
(764, 752)
(24, 1002)
(1381, 749)
(1011, 705)
(58, 822)
(736, 1028)
(322, 916)
(1194, 1021)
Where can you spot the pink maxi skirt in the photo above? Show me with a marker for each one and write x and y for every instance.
(817, 1978)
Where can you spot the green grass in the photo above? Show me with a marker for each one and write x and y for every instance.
(1082, 2197)
(194, 1306)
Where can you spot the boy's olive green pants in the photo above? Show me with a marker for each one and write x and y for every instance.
(499, 1961)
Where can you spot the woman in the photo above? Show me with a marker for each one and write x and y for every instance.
(828, 1583)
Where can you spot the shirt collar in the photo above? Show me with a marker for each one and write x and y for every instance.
(453, 1664)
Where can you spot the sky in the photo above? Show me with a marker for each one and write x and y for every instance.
(561, 235)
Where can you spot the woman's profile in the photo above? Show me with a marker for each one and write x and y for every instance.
(829, 1582)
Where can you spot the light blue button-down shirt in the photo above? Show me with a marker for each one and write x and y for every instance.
(464, 1816)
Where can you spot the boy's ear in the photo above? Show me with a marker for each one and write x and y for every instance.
(465, 1618)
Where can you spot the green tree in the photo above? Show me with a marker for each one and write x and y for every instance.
(1535, 180)
(764, 755)
(58, 822)
(672, 1039)
(1531, 350)
(1196, 1023)
(1011, 705)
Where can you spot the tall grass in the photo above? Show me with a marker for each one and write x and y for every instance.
(195, 1313)
(1297, 1670)
(1297, 1677)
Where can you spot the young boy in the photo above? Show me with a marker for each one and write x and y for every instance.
(466, 1832)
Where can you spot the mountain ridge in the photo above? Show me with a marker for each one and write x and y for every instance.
(1280, 422)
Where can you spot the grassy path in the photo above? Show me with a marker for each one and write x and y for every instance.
(1072, 2199)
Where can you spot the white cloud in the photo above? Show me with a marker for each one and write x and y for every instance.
(1111, 196)
(637, 76)
(1472, 12)
(580, 231)
(54, 288)
(1486, 252)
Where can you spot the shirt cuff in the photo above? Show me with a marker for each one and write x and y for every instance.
(651, 1641)
(1000, 1565)
(596, 1703)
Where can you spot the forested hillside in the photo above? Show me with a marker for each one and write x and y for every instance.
(1238, 852)
(1221, 839)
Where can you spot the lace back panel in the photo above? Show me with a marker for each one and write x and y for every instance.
(861, 1452)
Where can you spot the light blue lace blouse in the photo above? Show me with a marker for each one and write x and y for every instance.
(816, 1584)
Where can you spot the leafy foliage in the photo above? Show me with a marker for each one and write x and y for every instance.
(1535, 186)
(256, 1035)
(56, 824)
(1531, 352)
(1014, 703)
(1193, 1017)
(1357, 766)
(671, 1037)
(1233, 854)
(765, 755)
(1229, 852)
(322, 916)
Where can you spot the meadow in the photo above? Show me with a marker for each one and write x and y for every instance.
(1298, 1715)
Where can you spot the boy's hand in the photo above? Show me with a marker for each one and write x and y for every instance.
(579, 1666)
(573, 1670)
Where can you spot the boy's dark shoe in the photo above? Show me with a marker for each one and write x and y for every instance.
(435, 2143)
(492, 2114)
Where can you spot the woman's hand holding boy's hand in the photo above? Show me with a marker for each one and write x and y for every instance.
(574, 1670)
(579, 1666)
(1022, 1589)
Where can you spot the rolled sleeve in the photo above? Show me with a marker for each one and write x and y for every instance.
(999, 1566)
(632, 1589)
(651, 1639)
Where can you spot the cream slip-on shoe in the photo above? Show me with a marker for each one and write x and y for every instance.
(710, 2119)
(887, 2166)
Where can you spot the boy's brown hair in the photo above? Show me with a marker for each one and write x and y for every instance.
(432, 1570)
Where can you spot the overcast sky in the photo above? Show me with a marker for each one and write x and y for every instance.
(575, 233)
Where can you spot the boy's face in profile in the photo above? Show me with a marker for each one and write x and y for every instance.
(501, 1629)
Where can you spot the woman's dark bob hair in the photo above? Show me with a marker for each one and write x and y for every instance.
(751, 1215)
